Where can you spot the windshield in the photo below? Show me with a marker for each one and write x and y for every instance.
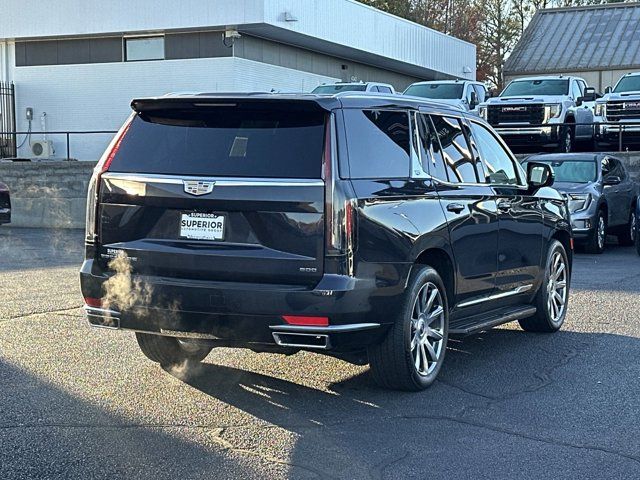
(339, 88)
(628, 84)
(573, 171)
(536, 87)
(436, 90)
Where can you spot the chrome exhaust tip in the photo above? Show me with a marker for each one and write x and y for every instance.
(302, 340)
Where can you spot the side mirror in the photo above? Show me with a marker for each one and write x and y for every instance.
(473, 102)
(612, 180)
(608, 90)
(588, 96)
(539, 175)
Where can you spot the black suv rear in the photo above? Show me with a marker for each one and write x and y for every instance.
(365, 227)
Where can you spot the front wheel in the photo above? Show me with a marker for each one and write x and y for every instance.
(628, 236)
(411, 355)
(553, 296)
(597, 239)
(170, 351)
(566, 140)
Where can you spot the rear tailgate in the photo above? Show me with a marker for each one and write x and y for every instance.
(229, 192)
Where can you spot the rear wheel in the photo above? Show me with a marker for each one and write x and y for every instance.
(628, 236)
(553, 296)
(596, 241)
(170, 351)
(411, 355)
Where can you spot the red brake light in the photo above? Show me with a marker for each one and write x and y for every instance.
(306, 321)
(116, 147)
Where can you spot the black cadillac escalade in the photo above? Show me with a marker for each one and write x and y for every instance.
(368, 227)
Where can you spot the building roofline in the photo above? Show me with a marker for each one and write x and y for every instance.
(588, 7)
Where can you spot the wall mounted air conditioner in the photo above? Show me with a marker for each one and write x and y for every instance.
(42, 149)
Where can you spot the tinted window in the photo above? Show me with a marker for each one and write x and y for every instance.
(144, 48)
(436, 90)
(432, 158)
(499, 165)
(617, 170)
(225, 141)
(628, 84)
(385, 90)
(378, 143)
(536, 87)
(456, 152)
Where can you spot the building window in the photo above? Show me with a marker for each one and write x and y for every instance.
(144, 48)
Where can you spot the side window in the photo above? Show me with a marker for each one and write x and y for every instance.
(606, 167)
(457, 154)
(374, 89)
(575, 90)
(617, 170)
(500, 167)
(432, 158)
(384, 89)
(378, 142)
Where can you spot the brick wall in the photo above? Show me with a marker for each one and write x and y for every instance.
(47, 194)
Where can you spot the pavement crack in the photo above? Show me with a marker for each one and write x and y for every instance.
(33, 314)
(524, 436)
(378, 470)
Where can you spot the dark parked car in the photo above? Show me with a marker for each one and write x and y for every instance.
(601, 196)
(366, 227)
(5, 204)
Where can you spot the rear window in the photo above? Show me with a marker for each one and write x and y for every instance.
(225, 141)
(378, 143)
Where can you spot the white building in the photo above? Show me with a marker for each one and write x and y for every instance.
(78, 63)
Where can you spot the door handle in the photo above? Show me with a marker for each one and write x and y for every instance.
(455, 207)
(504, 206)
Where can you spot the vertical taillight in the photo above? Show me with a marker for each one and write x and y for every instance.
(94, 183)
(339, 210)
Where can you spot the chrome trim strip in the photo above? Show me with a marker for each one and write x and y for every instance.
(524, 131)
(101, 312)
(312, 330)
(219, 181)
(497, 296)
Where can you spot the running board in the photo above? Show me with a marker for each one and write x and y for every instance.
(485, 321)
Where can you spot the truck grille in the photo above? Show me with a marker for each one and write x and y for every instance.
(623, 109)
(532, 114)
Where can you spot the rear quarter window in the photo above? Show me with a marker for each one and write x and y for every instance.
(378, 142)
(225, 141)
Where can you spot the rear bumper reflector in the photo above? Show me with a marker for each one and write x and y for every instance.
(306, 321)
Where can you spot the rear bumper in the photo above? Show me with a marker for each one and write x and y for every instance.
(239, 314)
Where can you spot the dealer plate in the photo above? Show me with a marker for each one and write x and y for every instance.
(202, 226)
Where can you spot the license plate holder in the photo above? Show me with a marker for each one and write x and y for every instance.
(202, 226)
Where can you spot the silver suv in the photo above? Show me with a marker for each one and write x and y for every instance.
(535, 111)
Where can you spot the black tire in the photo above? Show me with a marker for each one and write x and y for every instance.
(627, 237)
(638, 241)
(169, 351)
(545, 318)
(595, 244)
(566, 140)
(392, 362)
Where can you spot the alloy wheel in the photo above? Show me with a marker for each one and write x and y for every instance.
(427, 329)
(567, 141)
(557, 287)
(602, 232)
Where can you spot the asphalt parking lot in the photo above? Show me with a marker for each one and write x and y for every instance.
(81, 403)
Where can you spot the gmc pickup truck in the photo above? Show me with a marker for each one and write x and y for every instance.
(620, 106)
(535, 111)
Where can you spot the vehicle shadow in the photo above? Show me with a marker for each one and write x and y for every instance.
(531, 390)
(46, 432)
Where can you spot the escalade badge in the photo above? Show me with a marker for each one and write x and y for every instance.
(198, 187)
(632, 106)
(514, 109)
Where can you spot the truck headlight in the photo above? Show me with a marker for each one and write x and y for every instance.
(579, 202)
(600, 110)
(552, 110)
(482, 111)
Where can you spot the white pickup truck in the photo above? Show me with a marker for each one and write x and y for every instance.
(464, 94)
(543, 112)
(619, 109)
